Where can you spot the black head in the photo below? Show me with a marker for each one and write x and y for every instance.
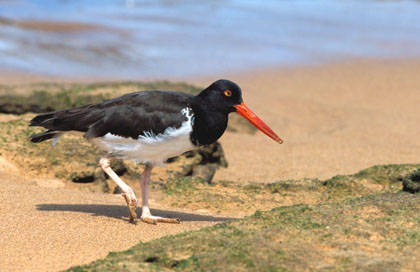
(215, 103)
(222, 95)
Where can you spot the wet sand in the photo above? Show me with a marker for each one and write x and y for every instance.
(334, 119)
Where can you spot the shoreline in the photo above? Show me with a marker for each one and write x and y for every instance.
(14, 76)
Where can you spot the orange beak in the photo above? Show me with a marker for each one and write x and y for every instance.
(257, 122)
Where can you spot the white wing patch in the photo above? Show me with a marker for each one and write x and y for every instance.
(149, 147)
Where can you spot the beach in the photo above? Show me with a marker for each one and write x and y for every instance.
(338, 81)
(334, 119)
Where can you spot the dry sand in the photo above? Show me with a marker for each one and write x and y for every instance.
(50, 229)
(335, 119)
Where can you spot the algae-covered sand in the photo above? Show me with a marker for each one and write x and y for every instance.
(361, 222)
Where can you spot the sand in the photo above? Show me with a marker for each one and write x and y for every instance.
(334, 119)
(50, 229)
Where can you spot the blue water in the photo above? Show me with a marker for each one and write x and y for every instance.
(132, 39)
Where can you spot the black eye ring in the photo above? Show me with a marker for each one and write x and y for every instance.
(228, 93)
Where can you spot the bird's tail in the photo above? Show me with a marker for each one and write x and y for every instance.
(59, 122)
(45, 120)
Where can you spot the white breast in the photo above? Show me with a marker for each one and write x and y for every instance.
(151, 148)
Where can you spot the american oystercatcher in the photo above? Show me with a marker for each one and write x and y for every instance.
(150, 127)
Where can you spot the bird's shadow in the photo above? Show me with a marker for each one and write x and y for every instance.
(121, 212)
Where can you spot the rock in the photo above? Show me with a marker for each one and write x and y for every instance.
(205, 172)
(85, 176)
(200, 163)
(100, 174)
(213, 154)
(119, 167)
(411, 182)
(90, 174)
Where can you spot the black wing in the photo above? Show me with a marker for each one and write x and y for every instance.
(130, 115)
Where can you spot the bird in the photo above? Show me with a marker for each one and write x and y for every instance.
(149, 127)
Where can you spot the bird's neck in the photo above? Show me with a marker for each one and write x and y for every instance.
(209, 125)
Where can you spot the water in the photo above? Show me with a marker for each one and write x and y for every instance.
(168, 38)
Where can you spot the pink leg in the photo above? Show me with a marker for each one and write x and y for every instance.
(127, 192)
(146, 215)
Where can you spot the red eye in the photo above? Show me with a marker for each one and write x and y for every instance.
(228, 93)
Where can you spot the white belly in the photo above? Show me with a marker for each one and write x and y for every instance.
(150, 148)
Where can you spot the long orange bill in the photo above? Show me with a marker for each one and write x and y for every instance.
(243, 110)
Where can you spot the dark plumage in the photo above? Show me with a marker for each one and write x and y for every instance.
(150, 127)
(130, 115)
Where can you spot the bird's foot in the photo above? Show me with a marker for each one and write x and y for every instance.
(131, 200)
(150, 219)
